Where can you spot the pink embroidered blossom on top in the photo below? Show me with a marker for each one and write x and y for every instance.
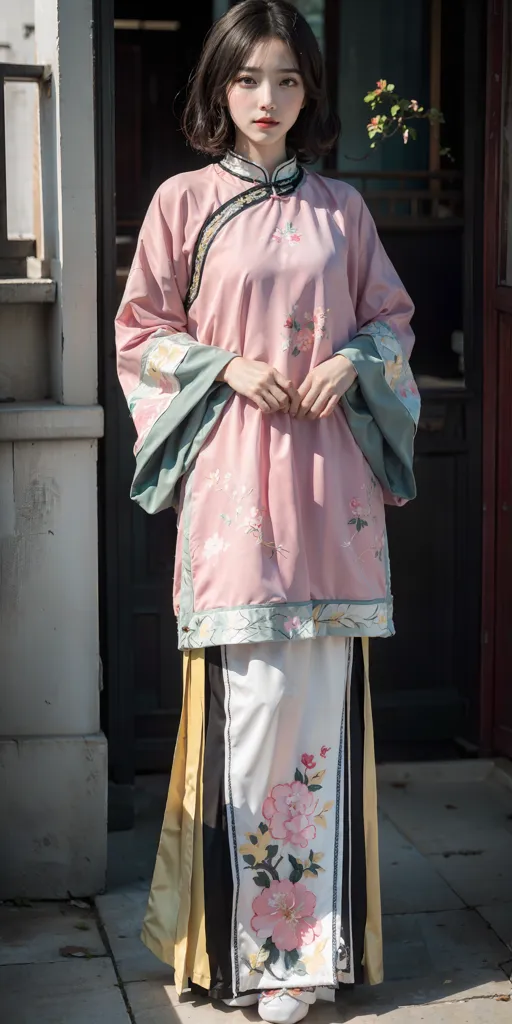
(308, 761)
(288, 234)
(284, 912)
(290, 810)
(324, 751)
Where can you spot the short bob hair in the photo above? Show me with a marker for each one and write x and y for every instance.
(206, 120)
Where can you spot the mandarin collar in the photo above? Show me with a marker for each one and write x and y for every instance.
(247, 169)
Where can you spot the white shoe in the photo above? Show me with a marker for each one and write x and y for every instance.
(248, 1000)
(286, 1005)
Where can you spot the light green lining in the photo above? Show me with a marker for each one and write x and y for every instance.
(288, 621)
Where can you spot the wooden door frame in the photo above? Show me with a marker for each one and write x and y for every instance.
(496, 298)
(117, 708)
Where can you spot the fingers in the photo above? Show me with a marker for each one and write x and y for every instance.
(283, 382)
(309, 391)
(279, 396)
(329, 408)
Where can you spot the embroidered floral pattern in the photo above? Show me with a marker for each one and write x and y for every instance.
(396, 368)
(361, 516)
(214, 545)
(158, 384)
(284, 910)
(287, 234)
(272, 622)
(300, 336)
(250, 519)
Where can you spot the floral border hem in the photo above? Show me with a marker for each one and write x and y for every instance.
(278, 622)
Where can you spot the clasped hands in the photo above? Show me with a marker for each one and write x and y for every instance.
(315, 399)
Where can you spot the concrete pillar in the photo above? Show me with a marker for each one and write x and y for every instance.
(53, 756)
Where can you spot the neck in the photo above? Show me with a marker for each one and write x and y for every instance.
(268, 157)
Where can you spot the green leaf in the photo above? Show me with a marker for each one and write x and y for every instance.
(250, 860)
(293, 861)
(394, 109)
(271, 851)
(254, 840)
(273, 955)
(390, 87)
(296, 874)
(352, 521)
(262, 880)
(263, 828)
(291, 957)
(314, 789)
(300, 968)
(298, 776)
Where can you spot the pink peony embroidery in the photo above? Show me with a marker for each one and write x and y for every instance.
(324, 751)
(308, 761)
(284, 912)
(290, 810)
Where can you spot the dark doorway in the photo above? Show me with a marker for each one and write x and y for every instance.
(424, 681)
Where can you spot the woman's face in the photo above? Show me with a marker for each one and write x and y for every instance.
(266, 97)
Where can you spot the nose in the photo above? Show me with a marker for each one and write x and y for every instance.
(266, 100)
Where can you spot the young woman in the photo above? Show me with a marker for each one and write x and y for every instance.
(263, 341)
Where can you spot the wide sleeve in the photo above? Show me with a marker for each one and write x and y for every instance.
(382, 407)
(168, 378)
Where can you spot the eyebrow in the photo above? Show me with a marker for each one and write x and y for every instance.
(280, 71)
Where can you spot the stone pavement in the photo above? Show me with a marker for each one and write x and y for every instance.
(446, 861)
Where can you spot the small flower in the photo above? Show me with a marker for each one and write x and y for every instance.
(304, 339)
(292, 624)
(374, 120)
(324, 751)
(294, 238)
(308, 760)
(356, 508)
(214, 545)
(414, 105)
(213, 478)
(276, 237)
(406, 136)
(381, 84)
(288, 323)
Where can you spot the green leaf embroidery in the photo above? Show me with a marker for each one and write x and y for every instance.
(291, 957)
(298, 776)
(262, 880)
(271, 851)
(263, 828)
(254, 840)
(300, 968)
(313, 789)
(250, 860)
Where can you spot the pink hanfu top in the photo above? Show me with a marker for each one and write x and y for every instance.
(281, 521)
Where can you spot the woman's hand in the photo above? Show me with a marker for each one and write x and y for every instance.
(262, 383)
(323, 387)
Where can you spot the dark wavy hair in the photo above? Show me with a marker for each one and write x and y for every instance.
(206, 120)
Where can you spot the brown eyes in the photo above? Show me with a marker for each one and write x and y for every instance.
(246, 80)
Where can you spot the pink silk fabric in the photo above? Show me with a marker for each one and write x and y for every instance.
(277, 510)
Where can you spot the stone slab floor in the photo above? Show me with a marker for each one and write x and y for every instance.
(446, 863)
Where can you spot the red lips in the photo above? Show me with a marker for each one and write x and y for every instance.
(266, 120)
